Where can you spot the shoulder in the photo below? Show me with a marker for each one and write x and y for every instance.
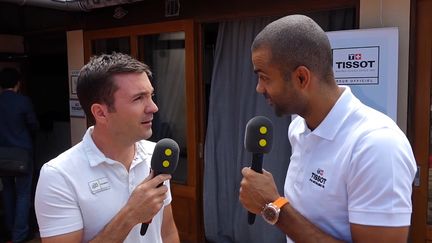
(67, 162)
(373, 126)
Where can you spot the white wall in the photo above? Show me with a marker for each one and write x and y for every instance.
(75, 52)
(392, 13)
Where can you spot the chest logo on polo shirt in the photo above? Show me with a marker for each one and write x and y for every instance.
(99, 185)
(318, 178)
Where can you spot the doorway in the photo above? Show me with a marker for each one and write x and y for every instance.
(45, 81)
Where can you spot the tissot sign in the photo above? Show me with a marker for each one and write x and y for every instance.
(367, 61)
(356, 65)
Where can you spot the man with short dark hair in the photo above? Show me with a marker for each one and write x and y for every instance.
(17, 123)
(102, 190)
(351, 168)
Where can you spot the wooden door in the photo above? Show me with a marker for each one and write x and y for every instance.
(420, 118)
(169, 49)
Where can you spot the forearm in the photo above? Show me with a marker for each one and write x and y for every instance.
(299, 229)
(171, 237)
(116, 230)
(169, 230)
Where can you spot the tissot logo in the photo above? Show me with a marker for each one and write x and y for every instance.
(355, 61)
(318, 178)
(356, 56)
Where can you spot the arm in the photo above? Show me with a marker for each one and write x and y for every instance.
(169, 230)
(258, 189)
(300, 229)
(147, 193)
(56, 206)
(30, 116)
(365, 233)
(73, 237)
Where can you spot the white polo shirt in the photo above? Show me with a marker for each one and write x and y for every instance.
(357, 167)
(83, 189)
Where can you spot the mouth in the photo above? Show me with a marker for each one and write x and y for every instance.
(267, 98)
(147, 122)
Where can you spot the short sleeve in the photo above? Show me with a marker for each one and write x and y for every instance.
(379, 181)
(57, 210)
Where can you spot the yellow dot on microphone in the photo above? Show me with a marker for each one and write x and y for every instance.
(168, 152)
(263, 142)
(263, 130)
(165, 163)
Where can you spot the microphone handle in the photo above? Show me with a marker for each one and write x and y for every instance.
(257, 159)
(144, 226)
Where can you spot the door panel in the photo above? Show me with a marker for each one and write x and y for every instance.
(420, 90)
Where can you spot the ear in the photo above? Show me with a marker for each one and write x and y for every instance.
(302, 76)
(99, 112)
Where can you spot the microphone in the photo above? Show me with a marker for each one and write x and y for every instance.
(258, 140)
(164, 161)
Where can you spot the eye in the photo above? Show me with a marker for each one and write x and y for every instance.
(140, 97)
(263, 78)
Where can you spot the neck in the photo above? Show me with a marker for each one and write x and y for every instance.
(113, 147)
(321, 105)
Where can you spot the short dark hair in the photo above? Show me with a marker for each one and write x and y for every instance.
(96, 83)
(9, 78)
(296, 40)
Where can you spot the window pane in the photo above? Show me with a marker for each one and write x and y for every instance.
(165, 54)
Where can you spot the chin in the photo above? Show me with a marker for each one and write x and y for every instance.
(145, 135)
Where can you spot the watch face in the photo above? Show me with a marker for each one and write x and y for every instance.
(270, 213)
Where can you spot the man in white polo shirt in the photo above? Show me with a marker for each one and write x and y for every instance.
(351, 169)
(102, 189)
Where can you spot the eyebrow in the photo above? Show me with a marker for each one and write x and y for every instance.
(256, 71)
(142, 93)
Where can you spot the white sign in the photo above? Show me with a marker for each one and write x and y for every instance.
(367, 61)
(73, 82)
(356, 65)
(76, 109)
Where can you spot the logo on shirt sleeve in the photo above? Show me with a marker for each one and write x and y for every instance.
(318, 178)
(99, 185)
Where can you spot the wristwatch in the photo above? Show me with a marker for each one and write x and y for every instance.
(271, 211)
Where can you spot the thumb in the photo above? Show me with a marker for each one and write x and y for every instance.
(149, 177)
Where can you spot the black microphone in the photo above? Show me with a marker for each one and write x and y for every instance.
(164, 161)
(258, 140)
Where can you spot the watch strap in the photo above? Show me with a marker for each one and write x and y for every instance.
(280, 202)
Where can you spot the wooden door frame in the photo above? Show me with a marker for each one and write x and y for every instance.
(419, 112)
(192, 190)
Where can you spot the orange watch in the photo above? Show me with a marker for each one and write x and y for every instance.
(271, 211)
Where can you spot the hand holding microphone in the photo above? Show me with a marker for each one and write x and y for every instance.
(164, 161)
(258, 140)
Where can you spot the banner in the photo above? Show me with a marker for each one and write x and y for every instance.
(367, 61)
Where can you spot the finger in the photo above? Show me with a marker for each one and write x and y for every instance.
(157, 180)
(266, 172)
(149, 177)
(245, 171)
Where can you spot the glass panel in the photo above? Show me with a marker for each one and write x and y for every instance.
(109, 45)
(165, 54)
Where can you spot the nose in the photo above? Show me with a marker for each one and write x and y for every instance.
(259, 88)
(152, 107)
